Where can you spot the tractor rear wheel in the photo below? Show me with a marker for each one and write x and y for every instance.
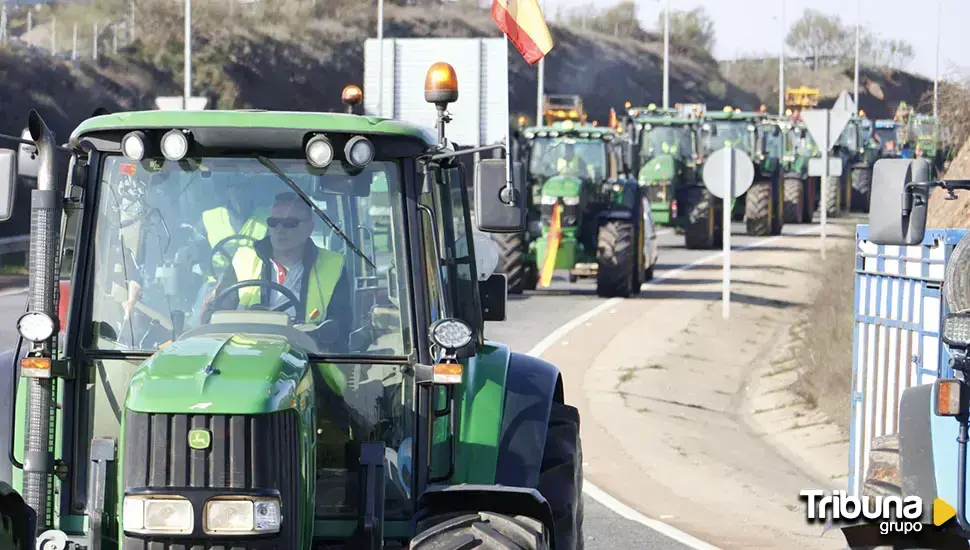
(777, 208)
(699, 230)
(794, 200)
(480, 530)
(561, 475)
(616, 257)
(757, 209)
(512, 260)
(830, 197)
(861, 186)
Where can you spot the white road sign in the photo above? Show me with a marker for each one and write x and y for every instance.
(174, 103)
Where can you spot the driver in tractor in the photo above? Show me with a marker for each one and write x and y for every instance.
(570, 164)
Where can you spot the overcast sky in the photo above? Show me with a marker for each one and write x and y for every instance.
(737, 24)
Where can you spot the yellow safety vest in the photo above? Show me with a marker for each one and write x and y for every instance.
(218, 226)
(320, 282)
(571, 167)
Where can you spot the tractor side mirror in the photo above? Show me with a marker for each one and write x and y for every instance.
(8, 183)
(493, 293)
(493, 211)
(887, 224)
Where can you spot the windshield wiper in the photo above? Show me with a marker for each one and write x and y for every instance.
(276, 170)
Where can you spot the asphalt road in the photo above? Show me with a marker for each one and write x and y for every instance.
(531, 317)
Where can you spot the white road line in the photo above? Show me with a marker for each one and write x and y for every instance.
(595, 492)
(13, 291)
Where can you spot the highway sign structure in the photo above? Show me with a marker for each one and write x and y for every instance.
(825, 126)
(728, 173)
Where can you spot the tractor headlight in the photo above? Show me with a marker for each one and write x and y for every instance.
(240, 516)
(450, 334)
(319, 151)
(158, 515)
(175, 145)
(133, 145)
(36, 326)
(359, 151)
(956, 330)
(570, 201)
(549, 199)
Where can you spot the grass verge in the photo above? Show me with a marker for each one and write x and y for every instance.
(825, 344)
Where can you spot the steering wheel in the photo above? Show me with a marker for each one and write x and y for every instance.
(220, 247)
(287, 293)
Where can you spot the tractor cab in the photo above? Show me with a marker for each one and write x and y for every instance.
(887, 134)
(243, 362)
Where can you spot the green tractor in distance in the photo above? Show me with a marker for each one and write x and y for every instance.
(761, 207)
(926, 135)
(163, 402)
(858, 151)
(666, 155)
(800, 195)
(577, 173)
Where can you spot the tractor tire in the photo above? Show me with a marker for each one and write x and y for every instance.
(830, 198)
(956, 279)
(531, 276)
(511, 260)
(480, 530)
(616, 255)
(794, 210)
(699, 232)
(777, 209)
(861, 189)
(757, 209)
(561, 475)
(883, 474)
(17, 520)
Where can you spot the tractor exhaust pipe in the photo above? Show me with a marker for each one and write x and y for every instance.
(45, 205)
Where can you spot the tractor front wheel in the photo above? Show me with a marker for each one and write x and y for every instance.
(757, 209)
(794, 200)
(561, 475)
(699, 233)
(861, 186)
(830, 197)
(511, 260)
(616, 257)
(480, 530)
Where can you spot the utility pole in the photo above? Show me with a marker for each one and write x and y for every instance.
(858, 24)
(131, 22)
(781, 65)
(667, 56)
(54, 36)
(94, 43)
(74, 45)
(30, 19)
(380, 58)
(541, 78)
(936, 77)
(188, 55)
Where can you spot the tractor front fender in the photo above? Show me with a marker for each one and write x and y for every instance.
(511, 501)
(916, 446)
(19, 517)
(531, 387)
(8, 400)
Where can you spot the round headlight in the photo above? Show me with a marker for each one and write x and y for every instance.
(133, 145)
(450, 333)
(359, 151)
(36, 326)
(530, 135)
(319, 151)
(174, 145)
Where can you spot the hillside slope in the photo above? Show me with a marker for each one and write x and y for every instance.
(301, 63)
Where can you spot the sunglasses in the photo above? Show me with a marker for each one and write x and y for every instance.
(288, 223)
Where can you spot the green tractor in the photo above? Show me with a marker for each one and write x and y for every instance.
(576, 177)
(800, 195)
(666, 152)
(761, 207)
(926, 135)
(850, 192)
(162, 402)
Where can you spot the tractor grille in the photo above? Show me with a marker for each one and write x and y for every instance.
(569, 217)
(659, 192)
(246, 452)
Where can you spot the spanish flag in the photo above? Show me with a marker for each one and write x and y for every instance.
(522, 22)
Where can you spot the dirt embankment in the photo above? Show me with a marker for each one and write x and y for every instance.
(945, 213)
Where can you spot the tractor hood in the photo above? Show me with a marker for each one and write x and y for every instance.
(658, 168)
(219, 374)
(561, 186)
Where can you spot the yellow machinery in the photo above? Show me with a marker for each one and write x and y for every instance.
(563, 107)
(801, 98)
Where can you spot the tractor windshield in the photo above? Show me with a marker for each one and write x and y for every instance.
(180, 245)
(720, 133)
(924, 128)
(887, 137)
(567, 156)
(667, 140)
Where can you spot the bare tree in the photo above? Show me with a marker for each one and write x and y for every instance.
(819, 36)
(693, 28)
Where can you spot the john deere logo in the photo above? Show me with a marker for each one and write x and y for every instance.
(199, 439)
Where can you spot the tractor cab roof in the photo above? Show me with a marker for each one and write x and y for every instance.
(574, 131)
(278, 129)
(734, 114)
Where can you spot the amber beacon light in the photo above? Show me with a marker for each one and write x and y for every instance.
(441, 84)
(351, 95)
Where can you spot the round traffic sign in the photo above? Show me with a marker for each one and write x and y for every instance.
(715, 176)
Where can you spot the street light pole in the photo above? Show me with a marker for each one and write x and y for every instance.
(936, 77)
(540, 77)
(380, 57)
(781, 65)
(187, 93)
(858, 24)
(667, 56)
